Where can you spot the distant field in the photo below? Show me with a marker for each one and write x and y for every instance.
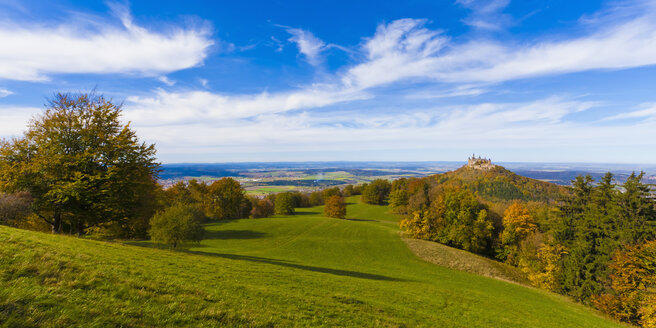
(262, 191)
(302, 270)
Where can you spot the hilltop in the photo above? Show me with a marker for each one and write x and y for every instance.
(496, 183)
(302, 270)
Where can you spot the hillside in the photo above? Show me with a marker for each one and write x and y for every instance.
(303, 270)
(499, 183)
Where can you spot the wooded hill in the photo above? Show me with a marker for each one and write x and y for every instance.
(499, 183)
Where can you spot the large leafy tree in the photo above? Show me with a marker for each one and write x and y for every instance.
(81, 165)
(518, 224)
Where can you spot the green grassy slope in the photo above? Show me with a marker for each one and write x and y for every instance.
(303, 270)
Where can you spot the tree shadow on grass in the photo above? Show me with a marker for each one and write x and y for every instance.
(306, 213)
(290, 264)
(366, 220)
(233, 234)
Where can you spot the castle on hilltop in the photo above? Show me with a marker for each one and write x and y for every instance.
(479, 163)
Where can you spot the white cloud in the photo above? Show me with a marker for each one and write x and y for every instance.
(5, 92)
(486, 14)
(195, 106)
(400, 50)
(166, 81)
(14, 119)
(648, 111)
(406, 49)
(308, 44)
(457, 91)
(631, 44)
(33, 52)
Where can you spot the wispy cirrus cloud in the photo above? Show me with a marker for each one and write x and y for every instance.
(34, 52)
(308, 45)
(5, 92)
(407, 49)
(173, 107)
(647, 111)
(486, 14)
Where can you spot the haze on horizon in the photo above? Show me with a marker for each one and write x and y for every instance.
(517, 81)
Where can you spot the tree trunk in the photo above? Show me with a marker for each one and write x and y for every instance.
(80, 229)
(56, 222)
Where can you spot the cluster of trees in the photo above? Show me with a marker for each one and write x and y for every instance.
(607, 233)
(595, 244)
(223, 199)
(455, 218)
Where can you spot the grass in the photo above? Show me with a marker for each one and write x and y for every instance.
(302, 270)
(464, 261)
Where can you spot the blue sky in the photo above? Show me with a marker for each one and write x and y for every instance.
(226, 81)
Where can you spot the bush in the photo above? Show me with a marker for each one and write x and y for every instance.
(177, 224)
(335, 207)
